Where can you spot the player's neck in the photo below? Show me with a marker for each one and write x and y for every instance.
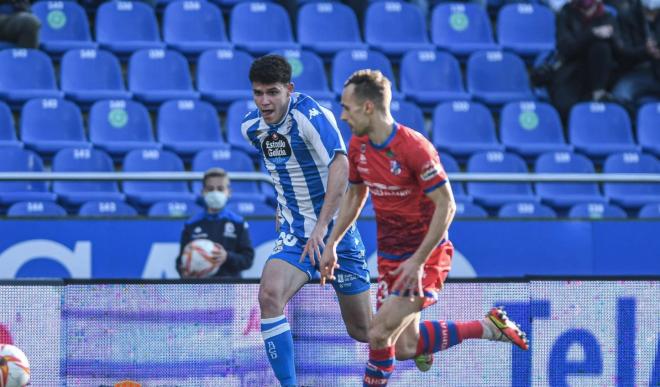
(381, 130)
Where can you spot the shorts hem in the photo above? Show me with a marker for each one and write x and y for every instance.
(309, 277)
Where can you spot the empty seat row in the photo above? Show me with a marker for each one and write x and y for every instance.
(469, 210)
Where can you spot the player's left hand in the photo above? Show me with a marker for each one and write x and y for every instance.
(409, 281)
(328, 263)
(314, 245)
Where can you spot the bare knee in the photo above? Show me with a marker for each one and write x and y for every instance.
(271, 302)
(379, 336)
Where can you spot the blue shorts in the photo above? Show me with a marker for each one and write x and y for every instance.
(352, 276)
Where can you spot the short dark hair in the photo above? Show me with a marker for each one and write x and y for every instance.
(214, 172)
(270, 69)
(372, 85)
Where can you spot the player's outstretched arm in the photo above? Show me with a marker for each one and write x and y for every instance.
(350, 209)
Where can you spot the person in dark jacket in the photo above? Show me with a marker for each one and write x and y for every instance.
(227, 229)
(18, 25)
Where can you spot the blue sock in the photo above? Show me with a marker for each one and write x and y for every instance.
(279, 348)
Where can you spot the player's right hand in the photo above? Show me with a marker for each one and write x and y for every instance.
(328, 263)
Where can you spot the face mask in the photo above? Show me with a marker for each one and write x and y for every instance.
(215, 199)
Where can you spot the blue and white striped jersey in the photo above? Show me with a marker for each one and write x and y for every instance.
(297, 152)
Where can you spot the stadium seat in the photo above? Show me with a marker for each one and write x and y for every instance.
(431, 77)
(74, 193)
(250, 208)
(48, 125)
(175, 209)
(599, 129)
(328, 27)
(497, 77)
(7, 128)
(346, 62)
(462, 128)
(650, 211)
(648, 122)
(64, 26)
(235, 114)
(308, 73)
(260, 27)
(526, 210)
(119, 126)
(632, 195)
(26, 74)
(497, 194)
(566, 194)
(222, 76)
(188, 126)
(145, 193)
(531, 128)
(461, 28)
(467, 210)
(451, 166)
(336, 109)
(526, 29)
(15, 159)
(90, 75)
(36, 209)
(154, 76)
(596, 211)
(395, 27)
(126, 26)
(408, 114)
(107, 209)
(194, 26)
(231, 161)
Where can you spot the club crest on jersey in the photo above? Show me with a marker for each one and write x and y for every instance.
(363, 148)
(395, 167)
(230, 230)
(276, 148)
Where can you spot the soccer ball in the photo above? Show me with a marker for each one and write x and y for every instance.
(198, 258)
(14, 367)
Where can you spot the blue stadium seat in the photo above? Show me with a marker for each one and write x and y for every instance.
(250, 208)
(36, 209)
(74, 193)
(231, 161)
(526, 210)
(261, 27)
(531, 128)
(175, 208)
(64, 26)
(451, 166)
(15, 159)
(650, 211)
(346, 62)
(145, 193)
(526, 29)
(467, 210)
(395, 27)
(308, 73)
(430, 77)
(48, 125)
(222, 75)
(155, 76)
(566, 194)
(461, 28)
(119, 126)
(631, 195)
(235, 114)
(107, 209)
(462, 128)
(90, 75)
(329, 27)
(497, 77)
(227, 5)
(7, 128)
(598, 129)
(408, 114)
(648, 122)
(596, 211)
(496, 194)
(126, 26)
(26, 74)
(336, 109)
(188, 126)
(194, 26)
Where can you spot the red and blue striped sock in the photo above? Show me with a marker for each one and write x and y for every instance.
(379, 367)
(440, 335)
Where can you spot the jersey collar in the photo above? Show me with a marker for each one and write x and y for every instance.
(387, 142)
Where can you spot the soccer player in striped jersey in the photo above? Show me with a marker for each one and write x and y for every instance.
(414, 207)
(306, 156)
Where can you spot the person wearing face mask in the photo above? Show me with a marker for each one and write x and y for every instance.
(227, 229)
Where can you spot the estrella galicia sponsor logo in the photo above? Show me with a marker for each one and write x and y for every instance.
(276, 148)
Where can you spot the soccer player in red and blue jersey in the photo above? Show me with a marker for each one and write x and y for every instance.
(414, 207)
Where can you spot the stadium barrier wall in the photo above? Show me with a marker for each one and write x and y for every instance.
(583, 332)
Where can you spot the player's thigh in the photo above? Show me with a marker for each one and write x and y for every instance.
(396, 314)
(356, 312)
(280, 281)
